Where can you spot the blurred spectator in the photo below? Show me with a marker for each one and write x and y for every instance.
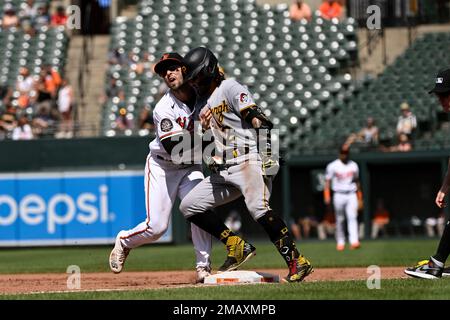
(145, 64)
(407, 122)
(145, 120)
(122, 100)
(404, 144)
(8, 120)
(23, 130)
(132, 60)
(10, 19)
(123, 122)
(435, 226)
(65, 105)
(306, 225)
(112, 90)
(24, 86)
(28, 10)
(295, 229)
(307, 222)
(300, 10)
(44, 93)
(5, 94)
(369, 134)
(380, 219)
(234, 222)
(44, 122)
(27, 13)
(42, 18)
(59, 18)
(330, 9)
(49, 82)
(327, 227)
(116, 57)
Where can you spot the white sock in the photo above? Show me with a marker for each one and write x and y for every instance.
(438, 263)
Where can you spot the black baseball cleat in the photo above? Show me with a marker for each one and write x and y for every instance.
(446, 272)
(239, 251)
(425, 269)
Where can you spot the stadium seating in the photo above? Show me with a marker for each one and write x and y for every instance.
(296, 70)
(18, 49)
(408, 79)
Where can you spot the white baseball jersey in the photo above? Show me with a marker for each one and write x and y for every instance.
(343, 176)
(165, 180)
(171, 116)
(230, 131)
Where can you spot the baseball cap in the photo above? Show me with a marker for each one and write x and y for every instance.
(8, 7)
(404, 106)
(167, 60)
(442, 82)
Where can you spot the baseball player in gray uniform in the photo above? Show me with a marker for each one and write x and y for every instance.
(242, 164)
(165, 179)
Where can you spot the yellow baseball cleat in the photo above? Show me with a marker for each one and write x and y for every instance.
(239, 251)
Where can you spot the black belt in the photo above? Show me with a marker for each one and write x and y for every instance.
(344, 192)
(161, 158)
(164, 159)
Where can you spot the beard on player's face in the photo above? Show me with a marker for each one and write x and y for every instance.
(444, 99)
(174, 79)
(343, 157)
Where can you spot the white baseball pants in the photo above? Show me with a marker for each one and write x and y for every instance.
(164, 181)
(346, 206)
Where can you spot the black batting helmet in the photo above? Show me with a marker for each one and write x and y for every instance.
(201, 60)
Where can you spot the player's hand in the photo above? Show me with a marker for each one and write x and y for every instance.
(205, 118)
(360, 204)
(440, 200)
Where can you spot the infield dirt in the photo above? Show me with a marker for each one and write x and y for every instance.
(57, 282)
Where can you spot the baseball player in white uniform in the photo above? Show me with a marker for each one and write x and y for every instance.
(165, 179)
(342, 176)
(242, 165)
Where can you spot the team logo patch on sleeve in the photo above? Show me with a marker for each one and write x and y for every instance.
(166, 125)
(243, 98)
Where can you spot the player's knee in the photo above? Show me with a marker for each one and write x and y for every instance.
(257, 212)
(157, 231)
(188, 208)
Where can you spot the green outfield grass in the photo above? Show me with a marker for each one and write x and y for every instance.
(167, 257)
(389, 289)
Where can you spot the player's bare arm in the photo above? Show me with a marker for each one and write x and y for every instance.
(205, 118)
(440, 197)
(327, 192)
(359, 194)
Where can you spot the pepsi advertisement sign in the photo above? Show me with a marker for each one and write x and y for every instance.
(70, 208)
